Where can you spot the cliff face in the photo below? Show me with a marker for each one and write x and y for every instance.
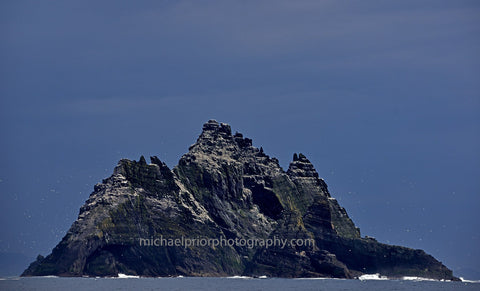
(222, 188)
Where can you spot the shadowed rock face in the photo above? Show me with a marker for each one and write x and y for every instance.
(222, 188)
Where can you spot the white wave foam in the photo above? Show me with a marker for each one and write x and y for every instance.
(123, 276)
(412, 278)
(12, 278)
(372, 277)
(469, 281)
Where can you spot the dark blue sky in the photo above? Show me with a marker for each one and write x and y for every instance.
(383, 97)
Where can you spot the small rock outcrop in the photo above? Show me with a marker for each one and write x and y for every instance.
(223, 190)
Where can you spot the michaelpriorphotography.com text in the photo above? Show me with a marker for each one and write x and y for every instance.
(224, 242)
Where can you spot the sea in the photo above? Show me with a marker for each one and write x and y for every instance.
(229, 283)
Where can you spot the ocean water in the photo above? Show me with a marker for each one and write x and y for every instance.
(250, 284)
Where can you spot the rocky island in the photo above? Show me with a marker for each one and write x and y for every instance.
(223, 188)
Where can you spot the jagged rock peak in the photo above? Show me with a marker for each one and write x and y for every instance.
(212, 126)
(155, 178)
(222, 188)
(301, 167)
(219, 135)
